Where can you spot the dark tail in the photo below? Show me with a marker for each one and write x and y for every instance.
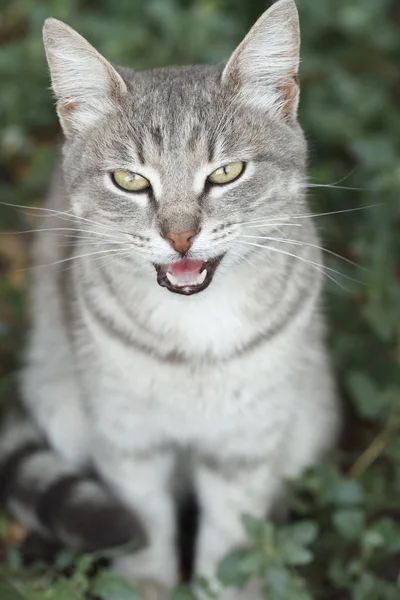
(47, 497)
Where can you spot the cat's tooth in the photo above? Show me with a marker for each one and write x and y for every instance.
(201, 277)
(172, 279)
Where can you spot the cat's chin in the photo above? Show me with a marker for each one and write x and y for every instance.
(187, 276)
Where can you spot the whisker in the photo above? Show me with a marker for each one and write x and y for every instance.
(336, 184)
(236, 253)
(318, 266)
(336, 212)
(90, 242)
(122, 252)
(68, 215)
(301, 243)
(112, 260)
(70, 258)
(56, 229)
(268, 221)
(274, 225)
(334, 187)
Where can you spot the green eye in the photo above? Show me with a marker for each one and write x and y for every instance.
(227, 173)
(131, 182)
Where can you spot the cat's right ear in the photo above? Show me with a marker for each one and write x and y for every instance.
(263, 69)
(85, 84)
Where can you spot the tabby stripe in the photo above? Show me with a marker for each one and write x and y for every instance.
(124, 337)
(81, 513)
(52, 500)
(10, 468)
(229, 467)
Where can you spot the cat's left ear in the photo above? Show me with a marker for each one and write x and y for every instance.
(263, 69)
(85, 83)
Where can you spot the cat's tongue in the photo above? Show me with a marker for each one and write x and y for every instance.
(187, 276)
(186, 272)
(186, 265)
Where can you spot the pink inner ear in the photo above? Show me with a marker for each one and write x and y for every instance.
(289, 90)
(67, 107)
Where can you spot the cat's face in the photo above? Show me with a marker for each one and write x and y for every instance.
(180, 161)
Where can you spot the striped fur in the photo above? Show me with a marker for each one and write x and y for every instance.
(227, 392)
(57, 501)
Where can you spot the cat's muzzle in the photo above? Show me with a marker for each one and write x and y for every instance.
(187, 276)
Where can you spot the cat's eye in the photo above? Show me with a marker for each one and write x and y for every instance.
(227, 173)
(129, 181)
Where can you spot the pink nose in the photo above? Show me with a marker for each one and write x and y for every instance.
(182, 241)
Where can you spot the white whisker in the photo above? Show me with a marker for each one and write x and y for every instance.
(270, 221)
(274, 225)
(66, 215)
(318, 266)
(61, 229)
(236, 253)
(70, 258)
(115, 257)
(301, 243)
(334, 187)
(335, 183)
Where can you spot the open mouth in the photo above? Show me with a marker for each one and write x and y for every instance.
(187, 276)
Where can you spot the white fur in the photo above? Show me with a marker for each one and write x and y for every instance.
(80, 76)
(214, 375)
(267, 58)
(242, 406)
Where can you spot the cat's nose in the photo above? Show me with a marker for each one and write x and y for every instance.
(180, 241)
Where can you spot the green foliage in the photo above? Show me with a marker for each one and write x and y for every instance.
(272, 556)
(42, 583)
(342, 542)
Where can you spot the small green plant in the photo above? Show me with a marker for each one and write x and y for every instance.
(272, 558)
(44, 583)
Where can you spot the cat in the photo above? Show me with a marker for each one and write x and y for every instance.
(178, 337)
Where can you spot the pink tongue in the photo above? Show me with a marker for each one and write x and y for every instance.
(186, 265)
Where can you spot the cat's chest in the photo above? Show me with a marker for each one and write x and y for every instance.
(154, 369)
(135, 398)
(209, 326)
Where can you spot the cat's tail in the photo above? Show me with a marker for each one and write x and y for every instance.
(46, 496)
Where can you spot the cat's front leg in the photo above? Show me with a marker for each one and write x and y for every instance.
(229, 488)
(142, 482)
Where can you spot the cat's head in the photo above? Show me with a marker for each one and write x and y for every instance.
(182, 159)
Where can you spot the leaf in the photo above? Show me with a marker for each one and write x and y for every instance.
(267, 538)
(390, 532)
(8, 592)
(251, 563)
(304, 532)
(367, 588)
(206, 588)
(109, 586)
(373, 539)
(229, 570)
(349, 523)
(345, 492)
(365, 395)
(253, 527)
(67, 589)
(278, 580)
(182, 592)
(294, 554)
(66, 558)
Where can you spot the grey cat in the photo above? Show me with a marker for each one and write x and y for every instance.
(178, 337)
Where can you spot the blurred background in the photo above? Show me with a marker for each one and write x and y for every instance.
(350, 110)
